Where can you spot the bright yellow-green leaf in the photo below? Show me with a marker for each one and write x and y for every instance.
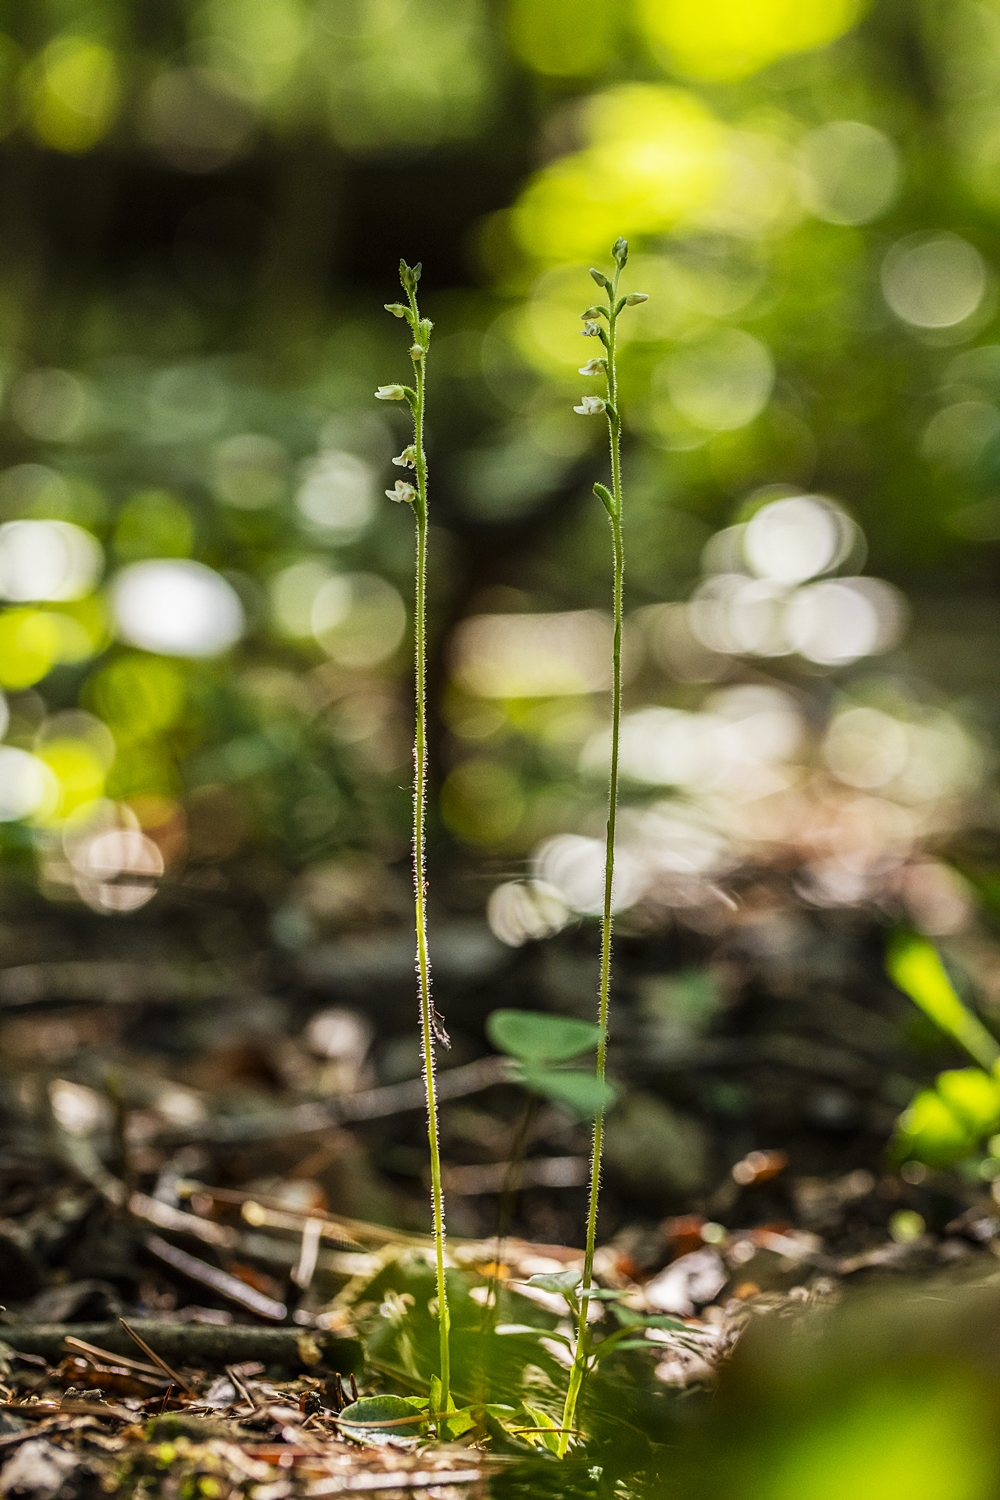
(930, 1131)
(914, 965)
(973, 1096)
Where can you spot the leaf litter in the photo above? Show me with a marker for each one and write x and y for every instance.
(277, 1342)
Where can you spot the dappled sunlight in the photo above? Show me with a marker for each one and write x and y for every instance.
(180, 608)
(842, 794)
(533, 656)
(726, 40)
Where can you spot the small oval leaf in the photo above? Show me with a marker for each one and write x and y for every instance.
(582, 1092)
(564, 1283)
(535, 1038)
(374, 1414)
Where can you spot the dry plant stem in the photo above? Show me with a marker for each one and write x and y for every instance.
(505, 1211)
(427, 1028)
(614, 432)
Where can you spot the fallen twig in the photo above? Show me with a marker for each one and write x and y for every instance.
(106, 1354)
(367, 1104)
(219, 1281)
(202, 1343)
(156, 1358)
(394, 1479)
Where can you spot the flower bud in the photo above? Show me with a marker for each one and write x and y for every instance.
(397, 309)
(409, 275)
(407, 459)
(593, 312)
(634, 298)
(402, 492)
(620, 251)
(599, 276)
(390, 393)
(416, 351)
(590, 406)
(594, 367)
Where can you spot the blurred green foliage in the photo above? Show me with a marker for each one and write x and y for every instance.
(204, 204)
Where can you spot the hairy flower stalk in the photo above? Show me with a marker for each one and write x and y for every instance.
(594, 327)
(431, 1024)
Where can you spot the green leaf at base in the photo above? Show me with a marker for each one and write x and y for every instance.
(374, 1415)
(582, 1092)
(535, 1038)
(564, 1283)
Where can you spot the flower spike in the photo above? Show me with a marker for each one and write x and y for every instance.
(611, 499)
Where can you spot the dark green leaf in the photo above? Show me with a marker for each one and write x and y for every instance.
(374, 1414)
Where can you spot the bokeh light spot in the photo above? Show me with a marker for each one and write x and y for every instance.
(723, 382)
(574, 866)
(337, 494)
(195, 120)
(865, 747)
(137, 695)
(482, 801)
(841, 620)
(934, 282)
(533, 655)
(153, 523)
(524, 911)
(292, 594)
(730, 39)
(358, 619)
(177, 608)
(794, 539)
(30, 643)
(79, 772)
(49, 404)
(848, 172)
(47, 560)
(249, 471)
(117, 869)
(658, 157)
(75, 95)
(956, 436)
(27, 785)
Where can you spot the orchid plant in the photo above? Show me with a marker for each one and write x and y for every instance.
(432, 1031)
(600, 321)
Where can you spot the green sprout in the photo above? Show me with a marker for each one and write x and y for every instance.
(948, 1123)
(594, 327)
(431, 1024)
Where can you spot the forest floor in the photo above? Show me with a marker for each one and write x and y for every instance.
(211, 1176)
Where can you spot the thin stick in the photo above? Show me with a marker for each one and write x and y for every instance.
(120, 1360)
(505, 1211)
(161, 1363)
(240, 1387)
(613, 505)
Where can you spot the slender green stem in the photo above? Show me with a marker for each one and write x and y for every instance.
(427, 1015)
(614, 432)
